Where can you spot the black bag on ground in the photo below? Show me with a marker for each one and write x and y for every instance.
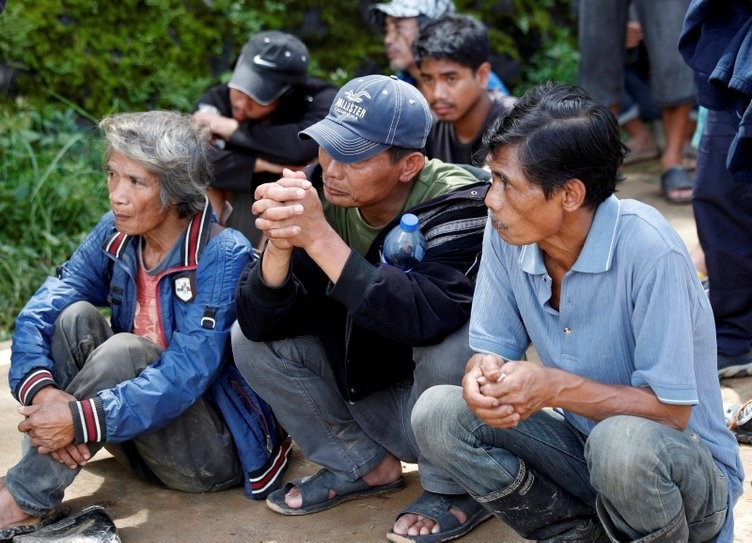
(90, 525)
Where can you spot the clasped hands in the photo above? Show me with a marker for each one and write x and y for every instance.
(289, 211)
(49, 425)
(502, 393)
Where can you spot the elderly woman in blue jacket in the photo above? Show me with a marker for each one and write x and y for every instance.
(133, 383)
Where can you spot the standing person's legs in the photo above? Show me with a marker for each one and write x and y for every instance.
(602, 28)
(673, 88)
(723, 213)
(659, 485)
(534, 476)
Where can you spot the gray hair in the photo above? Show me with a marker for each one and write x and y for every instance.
(171, 146)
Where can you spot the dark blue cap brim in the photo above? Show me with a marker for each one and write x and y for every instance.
(341, 143)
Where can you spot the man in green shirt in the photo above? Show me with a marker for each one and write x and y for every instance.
(339, 343)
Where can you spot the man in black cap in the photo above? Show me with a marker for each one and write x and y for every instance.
(255, 119)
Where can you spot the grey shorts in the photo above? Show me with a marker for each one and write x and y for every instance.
(602, 33)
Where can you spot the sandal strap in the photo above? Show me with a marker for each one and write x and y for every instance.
(315, 489)
(437, 508)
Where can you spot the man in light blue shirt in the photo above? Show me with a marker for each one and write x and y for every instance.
(619, 433)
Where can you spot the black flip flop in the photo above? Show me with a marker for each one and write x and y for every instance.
(315, 492)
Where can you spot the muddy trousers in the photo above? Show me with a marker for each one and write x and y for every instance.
(193, 453)
(641, 480)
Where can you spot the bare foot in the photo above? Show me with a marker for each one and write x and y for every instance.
(388, 471)
(414, 524)
(10, 514)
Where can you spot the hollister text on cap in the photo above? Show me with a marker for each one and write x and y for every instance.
(270, 63)
(371, 114)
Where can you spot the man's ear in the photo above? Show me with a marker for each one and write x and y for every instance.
(573, 194)
(482, 74)
(412, 165)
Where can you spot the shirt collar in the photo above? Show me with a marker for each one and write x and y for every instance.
(597, 253)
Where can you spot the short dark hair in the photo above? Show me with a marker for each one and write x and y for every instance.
(560, 134)
(453, 37)
(398, 153)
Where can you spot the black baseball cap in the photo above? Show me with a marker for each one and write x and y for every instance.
(270, 63)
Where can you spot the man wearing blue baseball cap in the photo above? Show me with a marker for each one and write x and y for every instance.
(340, 343)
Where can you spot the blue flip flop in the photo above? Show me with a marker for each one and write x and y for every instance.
(436, 507)
(315, 492)
(674, 179)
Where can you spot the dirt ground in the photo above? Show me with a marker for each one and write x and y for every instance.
(144, 513)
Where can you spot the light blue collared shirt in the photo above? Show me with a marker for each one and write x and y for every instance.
(631, 312)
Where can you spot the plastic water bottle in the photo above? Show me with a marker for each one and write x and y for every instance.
(405, 245)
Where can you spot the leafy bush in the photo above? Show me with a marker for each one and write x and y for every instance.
(147, 54)
(52, 192)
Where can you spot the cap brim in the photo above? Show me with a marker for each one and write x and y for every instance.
(264, 88)
(341, 143)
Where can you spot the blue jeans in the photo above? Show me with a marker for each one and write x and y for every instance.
(351, 439)
(644, 474)
(89, 357)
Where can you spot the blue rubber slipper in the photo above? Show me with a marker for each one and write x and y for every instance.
(676, 179)
(315, 493)
(436, 507)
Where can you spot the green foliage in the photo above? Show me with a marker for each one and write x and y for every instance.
(557, 62)
(535, 40)
(52, 191)
(147, 54)
(135, 54)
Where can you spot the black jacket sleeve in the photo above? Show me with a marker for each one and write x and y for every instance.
(278, 141)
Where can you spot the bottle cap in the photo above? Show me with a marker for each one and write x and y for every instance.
(409, 222)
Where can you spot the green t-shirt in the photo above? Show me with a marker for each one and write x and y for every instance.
(436, 178)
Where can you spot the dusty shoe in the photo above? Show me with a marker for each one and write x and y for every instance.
(739, 420)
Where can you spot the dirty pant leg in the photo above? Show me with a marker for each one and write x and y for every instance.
(647, 474)
(385, 415)
(294, 377)
(193, 453)
(37, 483)
(485, 460)
(208, 462)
